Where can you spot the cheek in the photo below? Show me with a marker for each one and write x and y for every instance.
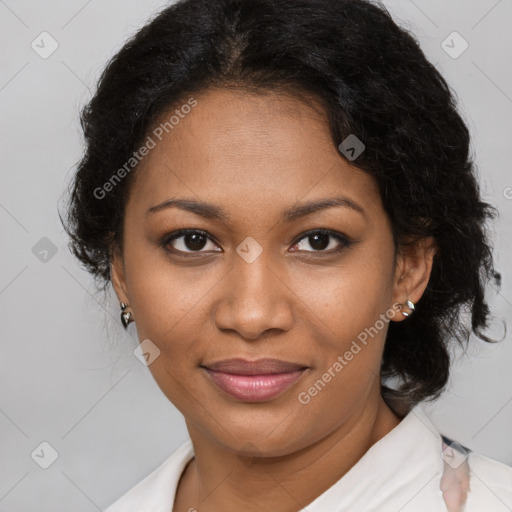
(359, 302)
(165, 297)
(351, 307)
(349, 298)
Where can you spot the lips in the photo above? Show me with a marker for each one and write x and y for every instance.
(259, 367)
(254, 381)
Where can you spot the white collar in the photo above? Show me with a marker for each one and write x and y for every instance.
(402, 470)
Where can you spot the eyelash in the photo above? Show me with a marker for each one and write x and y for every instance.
(343, 240)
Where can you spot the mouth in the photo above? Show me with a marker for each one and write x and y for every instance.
(254, 381)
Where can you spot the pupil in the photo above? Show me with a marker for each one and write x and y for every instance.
(319, 241)
(195, 241)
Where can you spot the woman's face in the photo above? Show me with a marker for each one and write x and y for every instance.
(259, 283)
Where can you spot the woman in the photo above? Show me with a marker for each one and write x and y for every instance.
(281, 194)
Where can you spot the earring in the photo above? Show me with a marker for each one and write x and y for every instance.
(126, 316)
(410, 305)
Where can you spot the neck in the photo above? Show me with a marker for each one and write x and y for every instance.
(218, 478)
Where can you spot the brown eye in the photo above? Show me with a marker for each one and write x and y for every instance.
(189, 241)
(320, 240)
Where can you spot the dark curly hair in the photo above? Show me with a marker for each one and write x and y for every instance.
(373, 80)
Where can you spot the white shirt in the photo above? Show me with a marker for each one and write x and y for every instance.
(400, 473)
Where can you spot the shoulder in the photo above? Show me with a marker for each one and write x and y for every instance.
(479, 481)
(490, 486)
(155, 492)
(464, 477)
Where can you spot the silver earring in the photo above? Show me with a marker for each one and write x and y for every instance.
(410, 305)
(126, 316)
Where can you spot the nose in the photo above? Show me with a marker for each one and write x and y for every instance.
(254, 302)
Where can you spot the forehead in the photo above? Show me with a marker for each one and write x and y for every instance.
(240, 149)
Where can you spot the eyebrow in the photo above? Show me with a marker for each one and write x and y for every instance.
(211, 211)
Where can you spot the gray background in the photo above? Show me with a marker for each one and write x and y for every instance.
(68, 373)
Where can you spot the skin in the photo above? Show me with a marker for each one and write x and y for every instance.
(256, 155)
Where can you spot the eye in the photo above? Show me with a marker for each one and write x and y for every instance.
(189, 240)
(320, 240)
(197, 241)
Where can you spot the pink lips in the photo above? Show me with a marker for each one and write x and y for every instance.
(254, 381)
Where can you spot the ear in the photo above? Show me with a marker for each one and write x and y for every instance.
(412, 272)
(118, 274)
